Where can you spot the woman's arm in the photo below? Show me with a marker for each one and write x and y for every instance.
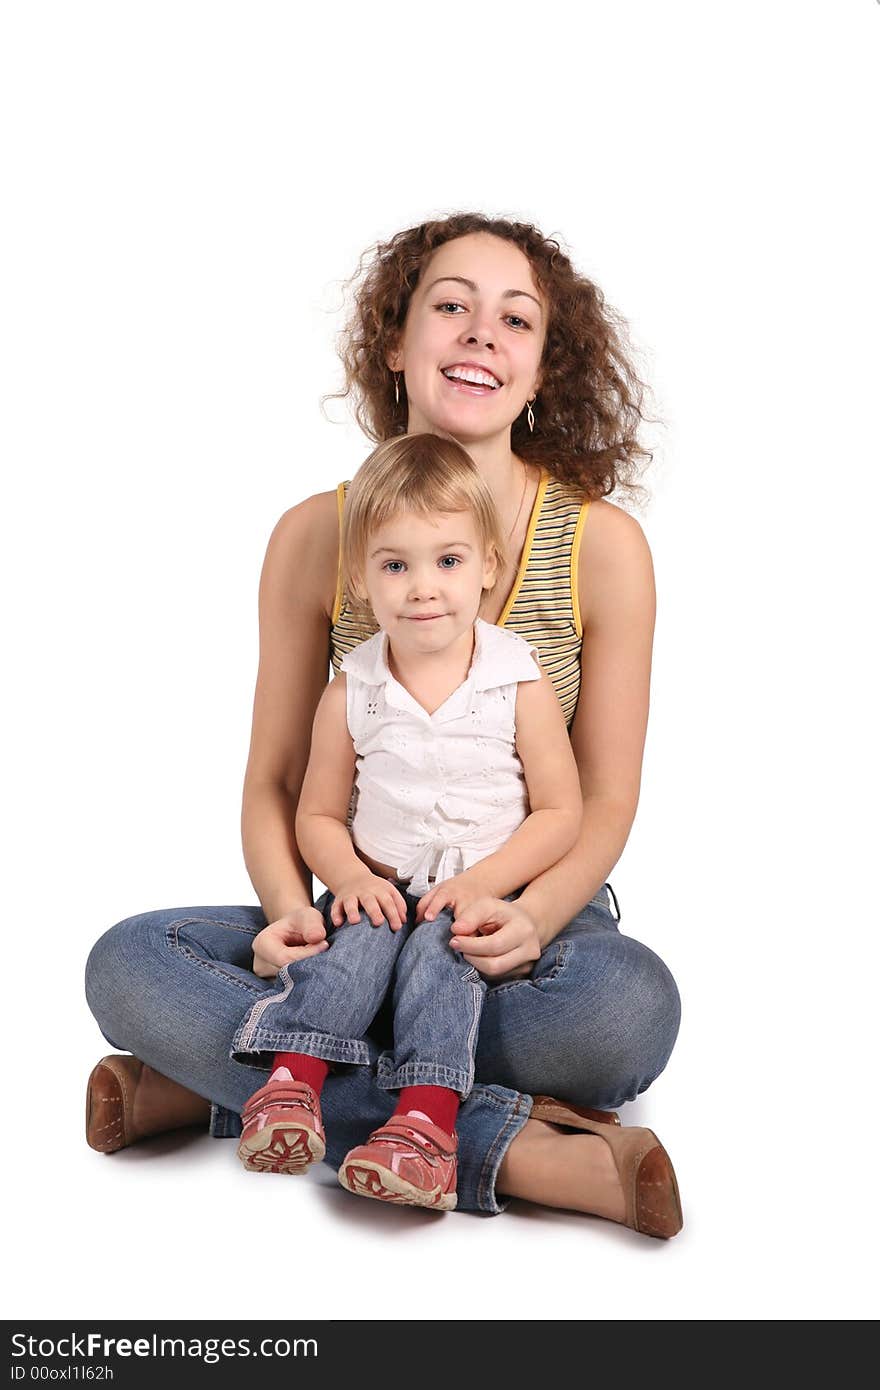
(553, 824)
(618, 604)
(296, 587)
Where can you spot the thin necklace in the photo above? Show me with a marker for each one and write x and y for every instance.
(521, 500)
(485, 597)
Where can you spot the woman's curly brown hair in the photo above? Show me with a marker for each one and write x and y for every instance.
(590, 403)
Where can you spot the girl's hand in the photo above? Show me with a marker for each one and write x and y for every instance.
(459, 893)
(380, 900)
(498, 938)
(294, 936)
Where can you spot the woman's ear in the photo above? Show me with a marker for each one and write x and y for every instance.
(394, 358)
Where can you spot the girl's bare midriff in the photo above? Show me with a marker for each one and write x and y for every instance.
(383, 870)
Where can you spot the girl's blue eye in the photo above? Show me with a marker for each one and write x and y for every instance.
(455, 559)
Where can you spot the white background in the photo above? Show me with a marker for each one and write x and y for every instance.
(186, 187)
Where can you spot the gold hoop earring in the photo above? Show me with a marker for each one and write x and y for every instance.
(396, 389)
(530, 416)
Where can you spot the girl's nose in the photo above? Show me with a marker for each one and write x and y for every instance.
(422, 587)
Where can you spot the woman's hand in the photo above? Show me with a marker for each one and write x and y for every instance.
(459, 893)
(380, 900)
(498, 938)
(294, 936)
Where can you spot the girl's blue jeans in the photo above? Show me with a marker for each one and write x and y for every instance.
(324, 1005)
(593, 1024)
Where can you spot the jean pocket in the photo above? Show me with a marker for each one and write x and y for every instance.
(223, 948)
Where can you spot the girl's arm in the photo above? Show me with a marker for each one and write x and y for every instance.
(322, 815)
(321, 828)
(551, 775)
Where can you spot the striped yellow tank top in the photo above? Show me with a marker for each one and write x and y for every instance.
(543, 604)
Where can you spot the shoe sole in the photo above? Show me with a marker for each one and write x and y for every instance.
(281, 1148)
(105, 1129)
(657, 1201)
(373, 1180)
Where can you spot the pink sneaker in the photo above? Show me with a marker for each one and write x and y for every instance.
(282, 1130)
(407, 1160)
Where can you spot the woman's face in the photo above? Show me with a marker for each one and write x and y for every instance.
(476, 307)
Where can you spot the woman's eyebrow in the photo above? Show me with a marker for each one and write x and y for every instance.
(508, 294)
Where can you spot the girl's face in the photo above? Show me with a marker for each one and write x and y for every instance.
(424, 577)
(476, 307)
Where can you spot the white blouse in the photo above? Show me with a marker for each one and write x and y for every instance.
(435, 793)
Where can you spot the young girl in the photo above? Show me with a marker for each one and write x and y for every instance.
(465, 786)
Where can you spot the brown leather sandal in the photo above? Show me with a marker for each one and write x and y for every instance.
(650, 1187)
(126, 1101)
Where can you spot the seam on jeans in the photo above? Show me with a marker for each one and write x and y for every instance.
(189, 954)
(253, 1019)
(488, 1097)
(392, 1078)
(473, 979)
(488, 1168)
(215, 922)
(348, 1050)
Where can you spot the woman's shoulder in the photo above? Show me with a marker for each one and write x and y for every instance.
(615, 557)
(320, 509)
(304, 545)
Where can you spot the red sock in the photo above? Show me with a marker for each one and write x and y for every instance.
(439, 1104)
(312, 1070)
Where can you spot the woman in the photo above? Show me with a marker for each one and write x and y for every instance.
(480, 329)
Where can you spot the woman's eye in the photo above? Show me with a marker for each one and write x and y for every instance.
(515, 320)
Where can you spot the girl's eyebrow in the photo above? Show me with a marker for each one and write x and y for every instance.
(401, 549)
(508, 294)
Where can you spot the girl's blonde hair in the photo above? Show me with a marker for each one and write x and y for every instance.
(421, 473)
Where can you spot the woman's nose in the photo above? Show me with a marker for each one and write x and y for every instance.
(478, 332)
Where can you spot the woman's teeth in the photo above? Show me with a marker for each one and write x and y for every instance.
(471, 377)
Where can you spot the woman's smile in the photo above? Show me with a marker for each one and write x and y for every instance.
(472, 379)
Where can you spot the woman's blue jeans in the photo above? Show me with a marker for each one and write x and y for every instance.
(593, 1024)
